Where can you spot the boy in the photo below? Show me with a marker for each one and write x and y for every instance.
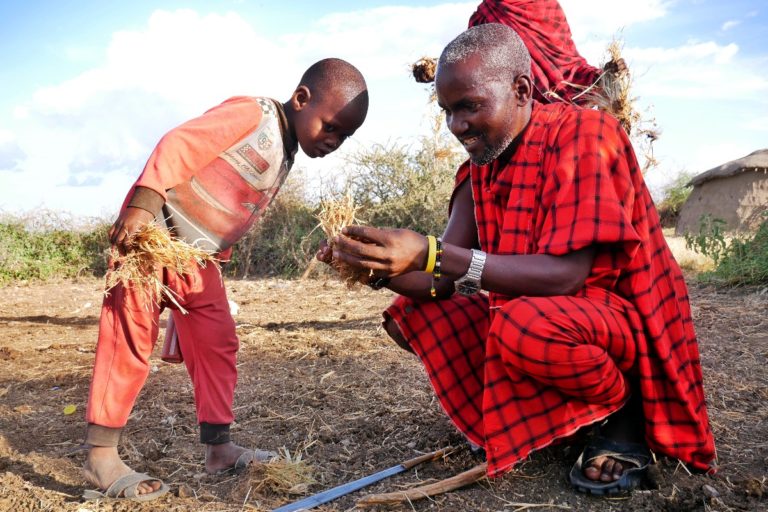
(208, 180)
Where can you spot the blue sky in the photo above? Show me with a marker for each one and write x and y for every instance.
(88, 87)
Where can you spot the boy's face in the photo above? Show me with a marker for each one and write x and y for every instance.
(323, 124)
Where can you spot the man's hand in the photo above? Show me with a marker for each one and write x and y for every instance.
(324, 253)
(129, 221)
(389, 252)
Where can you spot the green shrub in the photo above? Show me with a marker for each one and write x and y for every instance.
(675, 195)
(396, 186)
(740, 261)
(50, 245)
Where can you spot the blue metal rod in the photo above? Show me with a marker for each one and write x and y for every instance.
(341, 490)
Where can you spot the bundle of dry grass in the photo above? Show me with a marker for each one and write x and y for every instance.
(286, 474)
(152, 248)
(334, 215)
(424, 70)
(616, 86)
(611, 92)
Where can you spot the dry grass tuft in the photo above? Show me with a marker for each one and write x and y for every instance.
(286, 474)
(616, 86)
(153, 249)
(334, 215)
(424, 70)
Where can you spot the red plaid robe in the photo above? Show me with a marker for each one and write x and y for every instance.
(516, 373)
(543, 28)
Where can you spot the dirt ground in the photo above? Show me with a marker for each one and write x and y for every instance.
(319, 377)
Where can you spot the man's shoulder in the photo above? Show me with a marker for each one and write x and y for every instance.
(560, 115)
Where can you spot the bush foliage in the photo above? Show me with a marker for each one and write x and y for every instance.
(675, 195)
(50, 245)
(741, 260)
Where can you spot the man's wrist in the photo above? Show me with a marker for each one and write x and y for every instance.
(377, 283)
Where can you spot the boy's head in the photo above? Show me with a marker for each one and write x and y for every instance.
(329, 104)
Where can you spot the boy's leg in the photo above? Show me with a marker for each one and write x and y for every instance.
(127, 333)
(209, 344)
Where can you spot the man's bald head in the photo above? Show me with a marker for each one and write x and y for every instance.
(503, 53)
(336, 75)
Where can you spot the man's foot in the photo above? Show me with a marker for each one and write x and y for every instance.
(229, 456)
(103, 467)
(616, 459)
(596, 470)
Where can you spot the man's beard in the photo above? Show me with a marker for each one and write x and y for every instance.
(492, 152)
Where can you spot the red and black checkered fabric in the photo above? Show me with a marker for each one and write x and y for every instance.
(544, 29)
(516, 373)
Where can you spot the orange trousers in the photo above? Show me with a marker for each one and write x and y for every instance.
(128, 331)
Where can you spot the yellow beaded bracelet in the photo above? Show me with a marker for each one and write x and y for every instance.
(432, 254)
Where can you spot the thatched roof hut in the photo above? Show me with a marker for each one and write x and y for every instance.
(736, 192)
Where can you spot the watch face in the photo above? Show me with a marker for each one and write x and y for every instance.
(467, 287)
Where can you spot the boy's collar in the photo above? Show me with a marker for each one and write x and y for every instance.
(290, 145)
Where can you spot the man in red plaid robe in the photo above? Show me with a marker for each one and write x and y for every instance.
(587, 315)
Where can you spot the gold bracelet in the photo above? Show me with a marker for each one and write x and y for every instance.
(432, 255)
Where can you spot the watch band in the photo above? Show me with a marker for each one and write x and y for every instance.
(469, 283)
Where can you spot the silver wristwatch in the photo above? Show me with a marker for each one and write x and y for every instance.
(469, 283)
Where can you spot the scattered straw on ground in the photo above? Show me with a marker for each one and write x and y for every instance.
(335, 214)
(153, 249)
(287, 474)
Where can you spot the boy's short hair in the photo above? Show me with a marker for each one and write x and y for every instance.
(333, 74)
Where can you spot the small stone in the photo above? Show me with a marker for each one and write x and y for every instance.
(709, 491)
(186, 491)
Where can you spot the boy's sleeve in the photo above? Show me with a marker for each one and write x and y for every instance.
(188, 148)
(589, 197)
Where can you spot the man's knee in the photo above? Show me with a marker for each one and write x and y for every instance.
(394, 332)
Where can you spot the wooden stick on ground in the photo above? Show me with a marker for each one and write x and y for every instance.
(449, 484)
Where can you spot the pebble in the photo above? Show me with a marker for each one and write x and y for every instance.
(186, 491)
(709, 491)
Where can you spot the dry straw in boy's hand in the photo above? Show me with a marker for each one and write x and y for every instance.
(334, 216)
(152, 248)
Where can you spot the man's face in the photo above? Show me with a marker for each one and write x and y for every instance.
(482, 111)
(323, 124)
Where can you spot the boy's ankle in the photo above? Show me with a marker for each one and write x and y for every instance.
(101, 436)
(213, 434)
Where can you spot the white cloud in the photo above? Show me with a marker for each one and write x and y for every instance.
(84, 140)
(96, 129)
(704, 70)
(729, 25)
(10, 152)
(603, 18)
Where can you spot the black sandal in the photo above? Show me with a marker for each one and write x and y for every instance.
(635, 454)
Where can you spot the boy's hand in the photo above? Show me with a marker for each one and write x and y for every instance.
(129, 221)
(390, 252)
